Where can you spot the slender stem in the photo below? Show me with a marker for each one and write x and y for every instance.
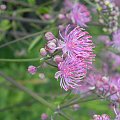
(76, 102)
(25, 103)
(23, 38)
(26, 90)
(66, 97)
(90, 3)
(27, 20)
(64, 115)
(20, 39)
(18, 3)
(51, 64)
(19, 33)
(19, 60)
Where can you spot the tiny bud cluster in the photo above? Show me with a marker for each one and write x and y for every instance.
(109, 9)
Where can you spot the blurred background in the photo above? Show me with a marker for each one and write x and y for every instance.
(22, 27)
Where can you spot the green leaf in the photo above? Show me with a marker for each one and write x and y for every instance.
(34, 42)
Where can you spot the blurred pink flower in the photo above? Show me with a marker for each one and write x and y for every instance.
(68, 4)
(117, 2)
(80, 15)
(71, 72)
(115, 59)
(116, 39)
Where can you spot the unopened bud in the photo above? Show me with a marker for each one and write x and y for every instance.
(51, 45)
(105, 79)
(61, 27)
(44, 116)
(58, 59)
(32, 69)
(61, 16)
(47, 16)
(49, 36)
(3, 7)
(76, 107)
(43, 52)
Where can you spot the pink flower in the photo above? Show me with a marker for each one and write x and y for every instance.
(101, 117)
(80, 15)
(71, 72)
(76, 43)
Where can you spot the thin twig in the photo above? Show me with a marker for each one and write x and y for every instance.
(23, 38)
(12, 33)
(19, 60)
(18, 3)
(26, 20)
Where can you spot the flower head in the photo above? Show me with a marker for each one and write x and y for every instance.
(76, 43)
(80, 15)
(71, 71)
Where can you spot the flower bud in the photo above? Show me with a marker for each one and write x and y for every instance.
(47, 16)
(49, 36)
(51, 47)
(42, 76)
(54, 41)
(58, 59)
(3, 7)
(105, 79)
(43, 52)
(32, 69)
(61, 27)
(44, 116)
(76, 107)
(61, 16)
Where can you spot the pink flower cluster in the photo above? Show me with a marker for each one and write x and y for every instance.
(78, 49)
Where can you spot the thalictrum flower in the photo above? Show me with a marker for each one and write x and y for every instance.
(71, 72)
(80, 15)
(76, 43)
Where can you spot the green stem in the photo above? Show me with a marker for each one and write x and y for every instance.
(64, 115)
(90, 3)
(19, 60)
(66, 97)
(23, 38)
(76, 102)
